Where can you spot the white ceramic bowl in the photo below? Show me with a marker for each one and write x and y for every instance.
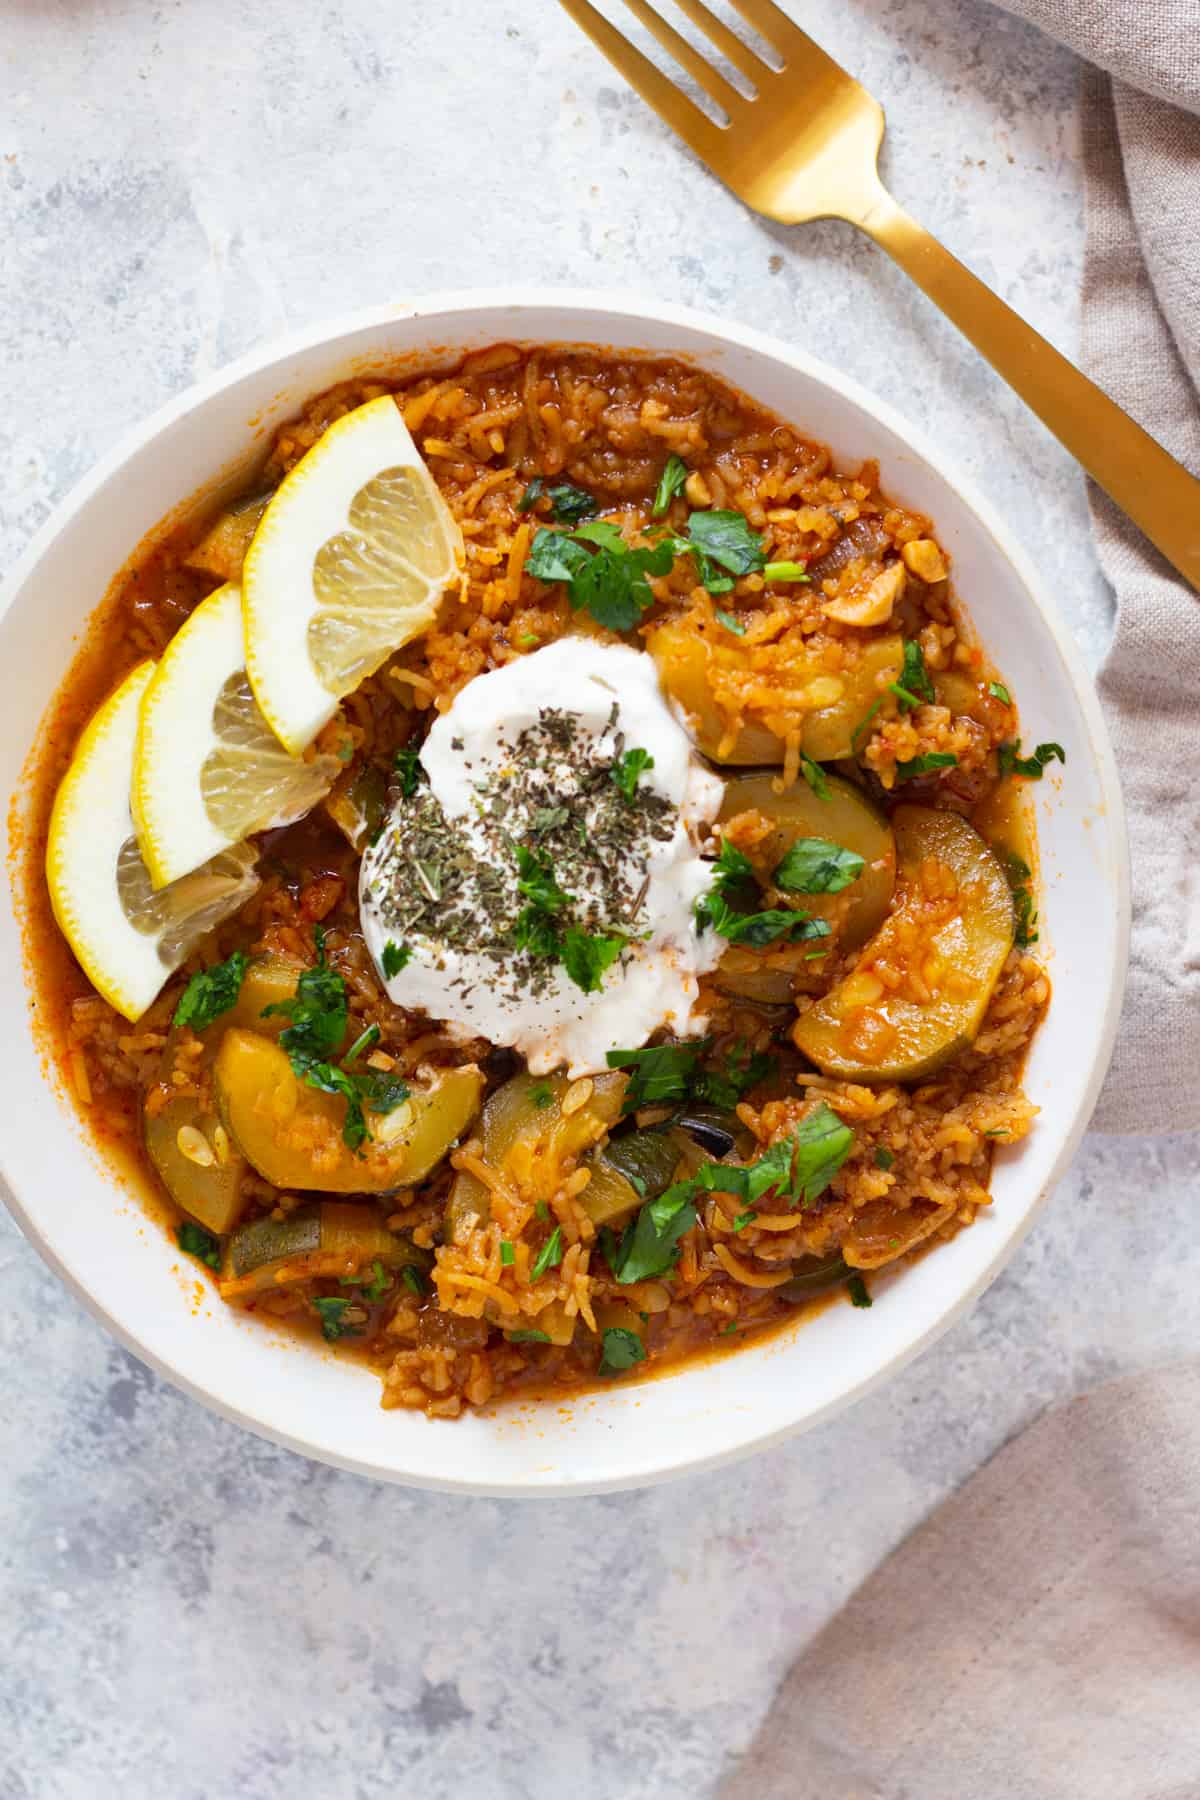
(93, 1232)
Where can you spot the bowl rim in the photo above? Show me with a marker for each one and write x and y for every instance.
(457, 307)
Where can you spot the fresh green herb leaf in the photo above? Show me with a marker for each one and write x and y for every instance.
(628, 769)
(743, 1070)
(996, 1132)
(622, 1349)
(727, 538)
(1020, 875)
(549, 1256)
(859, 733)
(588, 955)
(818, 866)
(327, 1078)
(800, 1167)
(540, 1095)
(858, 1291)
(883, 1157)
(660, 1074)
(212, 992)
(649, 1244)
(317, 1010)
(570, 505)
(535, 880)
(331, 1311)
(507, 1253)
(527, 1337)
(555, 556)
(541, 1209)
(407, 764)
(729, 1330)
(785, 571)
(925, 765)
(744, 1219)
(757, 928)
(527, 640)
(380, 1090)
(194, 1241)
(532, 494)
(413, 1278)
(365, 1041)
(614, 588)
(730, 623)
(999, 692)
(395, 957)
(915, 684)
(536, 932)
(731, 867)
(670, 482)
(814, 774)
(378, 1285)
(1013, 763)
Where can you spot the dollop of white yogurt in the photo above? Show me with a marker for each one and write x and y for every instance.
(527, 757)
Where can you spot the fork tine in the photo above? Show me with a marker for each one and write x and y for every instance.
(678, 111)
(772, 23)
(727, 42)
(697, 66)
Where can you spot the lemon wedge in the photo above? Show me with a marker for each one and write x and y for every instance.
(349, 563)
(207, 770)
(126, 937)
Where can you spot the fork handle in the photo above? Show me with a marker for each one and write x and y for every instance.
(1147, 483)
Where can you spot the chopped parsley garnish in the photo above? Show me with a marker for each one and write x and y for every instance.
(507, 1253)
(914, 685)
(730, 623)
(731, 871)
(814, 774)
(407, 764)
(628, 769)
(535, 880)
(395, 957)
(743, 1070)
(318, 1013)
(999, 692)
(372, 1290)
(212, 992)
(1020, 875)
(194, 1241)
(670, 482)
(818, 866)
(725, 538)
(859, 733)
(925, 765)
(363, 1042)
(785, 571)
(549, 1256)
(883, 1157)
(541, 1209)
(610, 581)
(571, 505)
(1013, 763)
(414, 1279)
(540, 1095)
(648, 1246)
(331, 1310)
(532, 494)
(622, 1349)
(858, 1291)
(798, 1169)
(527, 1337)
(662, 1073)
(744, 1219)
(588, 955)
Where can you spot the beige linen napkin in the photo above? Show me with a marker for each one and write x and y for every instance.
(1141, 342)
(1037, 1639)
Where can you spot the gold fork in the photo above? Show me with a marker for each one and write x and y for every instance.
(805, 146)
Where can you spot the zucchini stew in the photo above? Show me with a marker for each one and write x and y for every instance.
(549, 893)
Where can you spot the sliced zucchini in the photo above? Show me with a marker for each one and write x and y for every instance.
(846, 818)
(199, 1166)
(815, 1275)
(685, 657)
(258, 1252)
(949, 936)
(357, 804)
(222, 551)
(292, 1134)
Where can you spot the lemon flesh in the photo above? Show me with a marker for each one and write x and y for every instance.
(126, 937)
(207, 770)
(349, 563)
